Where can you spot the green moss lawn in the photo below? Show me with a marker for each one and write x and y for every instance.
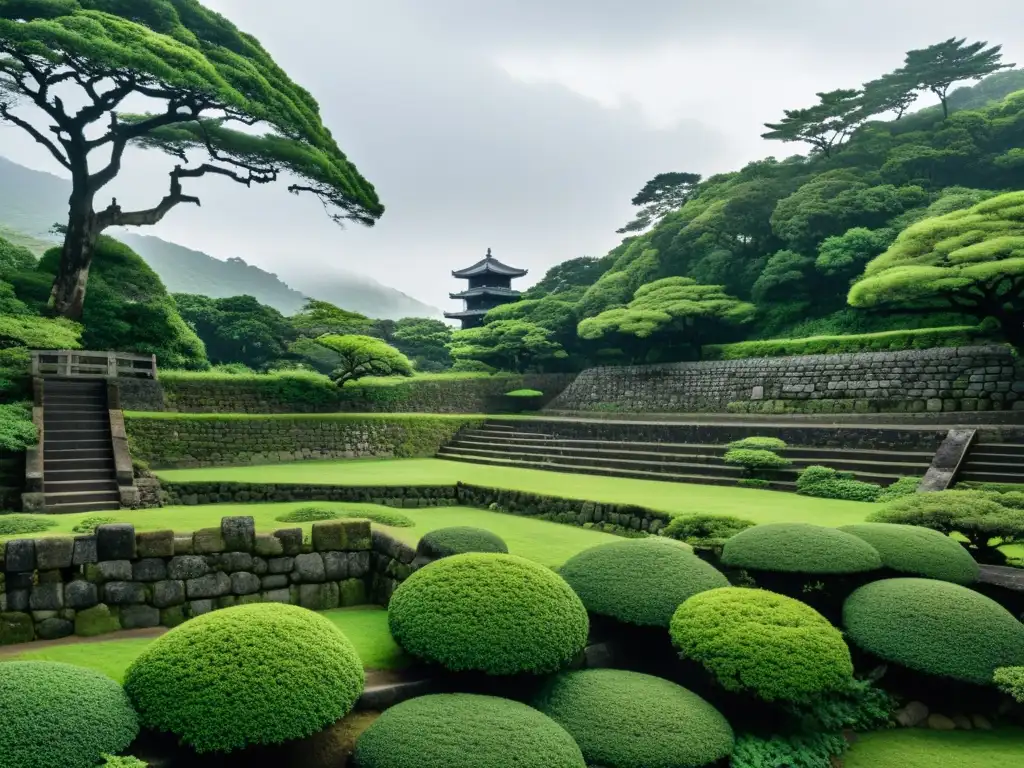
(675, 498)
(367, 628)
(921, 748)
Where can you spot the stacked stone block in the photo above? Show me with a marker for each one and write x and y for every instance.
(121, 579)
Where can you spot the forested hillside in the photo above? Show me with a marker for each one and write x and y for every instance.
(31, 202)
(771, 250)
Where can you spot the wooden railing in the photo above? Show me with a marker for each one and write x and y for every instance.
(82, 364)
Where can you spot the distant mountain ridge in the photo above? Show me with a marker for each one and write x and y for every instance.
(31, 202)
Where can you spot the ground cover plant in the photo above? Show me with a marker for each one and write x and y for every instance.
(934, 627)
(365, 626)
(493, 613)
(602, 708)
(639, 581)
(705, 530)
(444, 542)
(252, 674)
(917, 551)
(313, 514)
(61, 716)
(21, 525)
(477, 731)
(770, 645)
(923, 748)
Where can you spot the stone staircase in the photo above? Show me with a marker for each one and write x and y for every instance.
(992, 462)
(78, 455)
(507, 444)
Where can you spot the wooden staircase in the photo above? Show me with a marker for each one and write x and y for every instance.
(78, 457)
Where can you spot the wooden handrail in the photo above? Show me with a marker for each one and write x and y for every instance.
(80, 363)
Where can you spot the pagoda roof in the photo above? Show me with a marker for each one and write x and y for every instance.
(466, 313)
(486, 290)
(489, 264)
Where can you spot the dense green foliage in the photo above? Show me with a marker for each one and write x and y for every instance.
(799, 548)
(127, 761)
(607, 710)
(254, 674)
(312, 514)
(917, 551)
(60, 716)
(17, 431)
(463, 730)
(639, 581)
(1011, 680)
(512, 345)
(883, 341)
(458, 540)
(360, 356)
(758, 444)
(976, 515)
(905, 486)
(934, 627)
(17, 525)
(91, 523)
(705, 530)
(756, 459)
(970, 261)
(237, 329)
(828, 483)
(772, 646)
(492, 613)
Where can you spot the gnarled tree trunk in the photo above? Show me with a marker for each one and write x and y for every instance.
(68, 294)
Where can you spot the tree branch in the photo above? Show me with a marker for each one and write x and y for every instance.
(7, 115)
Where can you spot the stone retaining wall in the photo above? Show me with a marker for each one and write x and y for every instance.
(194, 493)
(961, 379)
(250, 394)
(54, 587)
(183, 440)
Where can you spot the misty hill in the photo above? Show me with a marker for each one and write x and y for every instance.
(31, 202)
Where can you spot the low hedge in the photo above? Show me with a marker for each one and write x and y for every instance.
(624, 719)
(705, 530)
(934, 627)
(462, 730)
(493, 613)
(61, 716)
(458, 540)
(918, 551)
(1010, 680)
(16, 525)
(253, 674)
(380, 516)
(759, 443)
(769, 645)
(799, 548)
(639, 581)
(827, 483)
(755, 459)
(925, 338)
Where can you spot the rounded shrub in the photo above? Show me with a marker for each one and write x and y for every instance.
(758, 444)
(1010, 680)
(934, 627)
(799, 548)
(16, 525)
(61, 716)
(462, 730)
(705, 530)
(770, 645)
(315, 514)
(607, 710)
(918, 551)
(458, 540)
(254, 674)
(639, 581)
(756, 459)
(488, 612)
(308, 515)
(91, 523)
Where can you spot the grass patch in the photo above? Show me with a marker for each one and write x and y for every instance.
(920, 748)
(674, 498)
(366, 627)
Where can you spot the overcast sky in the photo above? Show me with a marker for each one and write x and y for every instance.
(526, 126)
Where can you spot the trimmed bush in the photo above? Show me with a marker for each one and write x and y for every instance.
(16, 525)
(1010, 500)
(462, 730)
(625, 719)
(934, 627)
(457, 540)
(1010, 680)
(917, 551)
(254, 674)
(524, 393)
(799, 548)
(61, 716)
(905, 486)
(91, 523)
(492, 613)
(379, 516)
(113, 761)
(756, 459)
(770, 645)
(705, 530)
(827, 483)
(639, 581)
(758, 444)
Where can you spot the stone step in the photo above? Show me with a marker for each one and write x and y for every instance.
(67, 433)
(589, 470)
(76, 461)
(986, 474)
(1002, 449)
(64, 503)
(75, 486)
(52, 475)
(101, 451)
(86, 447)
(61, 421)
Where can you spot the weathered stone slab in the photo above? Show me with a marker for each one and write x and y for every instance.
(115, 541)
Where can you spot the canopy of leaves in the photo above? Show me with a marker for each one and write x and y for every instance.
(361, 356)
(424, 341)
(512, 345)
(938, 66)
(318, 318)
(663, 194)
(237, 329)
(180, 51)
(569, 278)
